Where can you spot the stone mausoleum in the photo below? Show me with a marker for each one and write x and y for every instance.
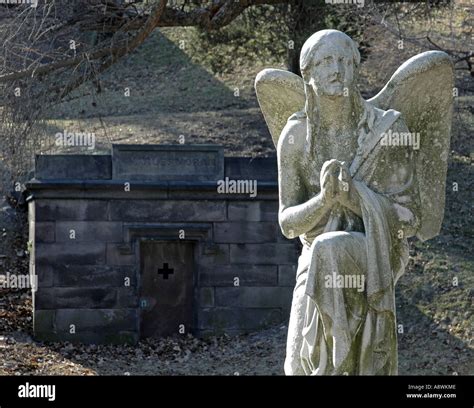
(156, 240)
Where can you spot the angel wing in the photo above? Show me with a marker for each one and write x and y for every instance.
(422, 90)
(280, 94)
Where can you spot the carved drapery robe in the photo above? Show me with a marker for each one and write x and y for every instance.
(336, 330)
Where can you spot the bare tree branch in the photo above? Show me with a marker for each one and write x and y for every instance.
(219, 15)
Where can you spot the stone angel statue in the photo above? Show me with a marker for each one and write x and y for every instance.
(356, 179)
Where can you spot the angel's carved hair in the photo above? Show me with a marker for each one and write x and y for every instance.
(308, 51)
(313, 43)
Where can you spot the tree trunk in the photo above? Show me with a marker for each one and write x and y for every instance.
(305, 17)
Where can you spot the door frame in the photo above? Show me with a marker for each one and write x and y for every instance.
(200, 234)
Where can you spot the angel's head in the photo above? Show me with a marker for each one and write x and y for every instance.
(329, 61)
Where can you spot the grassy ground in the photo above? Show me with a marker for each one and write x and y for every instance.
(170, 96)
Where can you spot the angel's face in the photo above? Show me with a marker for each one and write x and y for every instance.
(332, 70)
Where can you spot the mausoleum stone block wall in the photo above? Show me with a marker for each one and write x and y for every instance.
(143, 242)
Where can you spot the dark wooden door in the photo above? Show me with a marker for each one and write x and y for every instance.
(166, 287)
